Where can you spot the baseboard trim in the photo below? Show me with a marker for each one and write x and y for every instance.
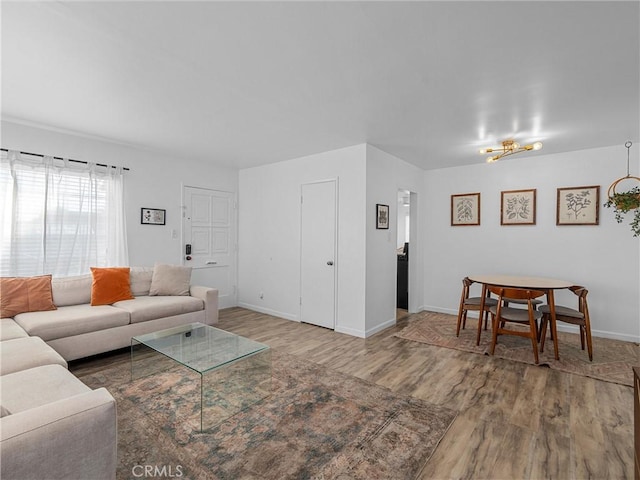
(613, 335)
(432, 308)
(268, 311)
(350, 331)
(381, 327)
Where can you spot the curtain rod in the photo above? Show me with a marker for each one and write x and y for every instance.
(60, 158)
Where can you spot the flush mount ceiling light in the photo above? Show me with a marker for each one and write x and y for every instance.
(509, 147)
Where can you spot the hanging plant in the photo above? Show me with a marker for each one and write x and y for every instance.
(625, 202)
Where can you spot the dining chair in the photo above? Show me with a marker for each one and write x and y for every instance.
(579, 317)
(503, 315)
(468, 303)
(523, 301)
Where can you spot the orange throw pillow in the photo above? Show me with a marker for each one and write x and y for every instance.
(110, 285)
(25, 294)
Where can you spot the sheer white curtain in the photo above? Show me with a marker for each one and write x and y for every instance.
(60, 217)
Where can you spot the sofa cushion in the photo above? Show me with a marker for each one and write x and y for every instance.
(110, 285)
(24, 353)
(25, 294)
(143, 309)
(3, 411)
(38, 386)
(71, 290)
(10, 329)
(170, 280)
(141, 280)
(71, 320)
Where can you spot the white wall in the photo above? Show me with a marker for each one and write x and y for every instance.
(604, 258)
(154, 181)
(269, 234)
(387, 174)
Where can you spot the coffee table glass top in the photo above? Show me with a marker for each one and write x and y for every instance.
(200, 347)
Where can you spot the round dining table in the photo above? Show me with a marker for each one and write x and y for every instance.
(547, 285)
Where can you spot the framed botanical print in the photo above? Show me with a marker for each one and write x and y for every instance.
(382, 216)
(518, 207)
(152, 216)
(578, 205)
(465, 209)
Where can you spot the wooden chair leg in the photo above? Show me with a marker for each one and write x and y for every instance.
(479, 328)
(581, 336)
(587, 328)
(460, 313)
(534, 336)
(543, 332)
(494, 333)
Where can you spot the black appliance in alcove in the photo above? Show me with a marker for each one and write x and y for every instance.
(402, 300)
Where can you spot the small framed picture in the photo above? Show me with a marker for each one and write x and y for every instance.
(465, 209)
(518, 207)
(382, 216)
(152, 216)
(578, 205)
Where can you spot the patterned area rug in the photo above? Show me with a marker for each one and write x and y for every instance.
(317, 424)
(612, 359)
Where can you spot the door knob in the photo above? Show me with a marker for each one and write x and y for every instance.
(329, 263)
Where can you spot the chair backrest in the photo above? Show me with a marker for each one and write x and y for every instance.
(466, 283)
(581, 292)
(516, 293)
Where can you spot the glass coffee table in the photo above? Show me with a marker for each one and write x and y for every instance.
(234, 372)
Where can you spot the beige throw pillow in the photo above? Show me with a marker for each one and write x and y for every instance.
(141, 280)
(170, 280)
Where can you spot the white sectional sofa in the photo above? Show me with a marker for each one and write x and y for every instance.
(53, 426)
(77, 329)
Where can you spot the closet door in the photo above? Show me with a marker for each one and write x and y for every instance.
(318, 253)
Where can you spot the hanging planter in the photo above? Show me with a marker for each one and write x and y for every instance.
(627, 201)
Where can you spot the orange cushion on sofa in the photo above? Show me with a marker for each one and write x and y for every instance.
(110, 285)
(25, 294)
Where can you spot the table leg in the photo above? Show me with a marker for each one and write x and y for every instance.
(552, 320)
(481, 312)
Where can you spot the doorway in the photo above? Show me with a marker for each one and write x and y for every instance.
(318, 253)
(403, 238)
(209, 240)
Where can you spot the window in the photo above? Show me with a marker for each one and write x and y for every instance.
(59, 217)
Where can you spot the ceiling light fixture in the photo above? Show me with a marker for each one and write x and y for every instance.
(509, 147)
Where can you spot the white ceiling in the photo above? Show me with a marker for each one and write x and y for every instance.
(248, 83)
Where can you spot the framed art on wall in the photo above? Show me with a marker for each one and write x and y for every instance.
(578, 205)
(465, 209)
(518, 207)
(152, 216)
(382, 216)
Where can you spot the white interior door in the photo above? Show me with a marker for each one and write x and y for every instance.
(209, 227)
(318, 253)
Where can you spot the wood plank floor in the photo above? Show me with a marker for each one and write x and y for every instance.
(516, 421)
